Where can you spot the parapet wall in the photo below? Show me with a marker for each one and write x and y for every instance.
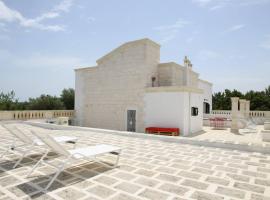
(35, 114)
(227, 114)
(259, 117)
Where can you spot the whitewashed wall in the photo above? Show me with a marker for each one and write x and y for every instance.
(207, 94)
(196, 121)
(173, 110)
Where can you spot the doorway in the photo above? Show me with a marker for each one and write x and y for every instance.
(131, 120)
(206, 108)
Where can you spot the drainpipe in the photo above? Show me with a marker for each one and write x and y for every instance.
(188, 66)
(189, 113)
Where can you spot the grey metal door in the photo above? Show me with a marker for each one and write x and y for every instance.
(131, 120)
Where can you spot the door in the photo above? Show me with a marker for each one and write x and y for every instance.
(131, 120)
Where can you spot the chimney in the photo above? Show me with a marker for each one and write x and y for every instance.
(188, 66)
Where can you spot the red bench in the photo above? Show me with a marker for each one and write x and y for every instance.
(163, 131)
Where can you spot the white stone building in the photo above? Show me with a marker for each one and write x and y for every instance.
(130, 90)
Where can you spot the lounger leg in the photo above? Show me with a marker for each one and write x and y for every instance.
(75, 144)
(19, 161)
(23, 156)
(60, 169)
(117, 159)
(37, 164)
(5, 152)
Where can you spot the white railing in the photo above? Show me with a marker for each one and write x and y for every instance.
(227, 114)
(259, 116)
(218, 113)
(35, 114)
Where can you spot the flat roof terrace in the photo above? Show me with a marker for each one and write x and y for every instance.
(149, 169)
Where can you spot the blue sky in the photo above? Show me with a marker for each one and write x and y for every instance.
(41, 42)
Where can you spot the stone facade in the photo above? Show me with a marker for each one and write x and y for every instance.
(104, 93)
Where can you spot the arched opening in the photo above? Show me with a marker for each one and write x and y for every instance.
(206, 108)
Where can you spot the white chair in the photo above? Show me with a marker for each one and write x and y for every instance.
(29, 144)
(69, 156)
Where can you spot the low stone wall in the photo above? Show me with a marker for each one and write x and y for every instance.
(259, 117)
(35, 114)
(249, 147)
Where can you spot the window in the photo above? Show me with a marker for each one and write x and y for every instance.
(194, 111)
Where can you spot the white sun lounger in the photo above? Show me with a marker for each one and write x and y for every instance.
(29, 144)
(69, 156)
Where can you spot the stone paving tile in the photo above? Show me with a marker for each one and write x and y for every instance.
(178, 198)
(145, 172)
(101, 191)
(249, 187)
(265, 182)
(9, 180)
(187, 174)
(124, 197)
(153, 194)
(147, 182)
(195, 184)
(128, 187)
(216, 180)
(205, 196)
(238, 177)
(23, 189)
(175, 189)
(169, 178)
(254, 174)
(263, 169)
(226, 169)
(259, 197)
(231, 192)
(70, 194)
(149, 169)
(106, 180)
(203, 171)
(39, 196)
(236, 165)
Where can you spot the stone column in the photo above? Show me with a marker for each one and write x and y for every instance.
(247, 108)
(242, 106)
(234, 125)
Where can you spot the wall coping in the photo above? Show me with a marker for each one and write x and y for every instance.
(173, 89)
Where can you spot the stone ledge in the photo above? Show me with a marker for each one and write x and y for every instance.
(265, 135)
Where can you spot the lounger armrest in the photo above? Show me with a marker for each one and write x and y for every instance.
(79, 154)
(71, 142)
(115, 153)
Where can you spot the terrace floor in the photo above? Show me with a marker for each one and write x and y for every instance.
(244, 136)
(149, 169)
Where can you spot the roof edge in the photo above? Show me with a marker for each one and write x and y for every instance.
(85, 68)
(207, 82)
(125, 44)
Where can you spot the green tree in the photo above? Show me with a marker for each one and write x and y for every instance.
(259, 100)
(45, 102)
(222, 100)
(6, 100)
(68, 98)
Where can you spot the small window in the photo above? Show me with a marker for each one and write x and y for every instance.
(194, 111)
